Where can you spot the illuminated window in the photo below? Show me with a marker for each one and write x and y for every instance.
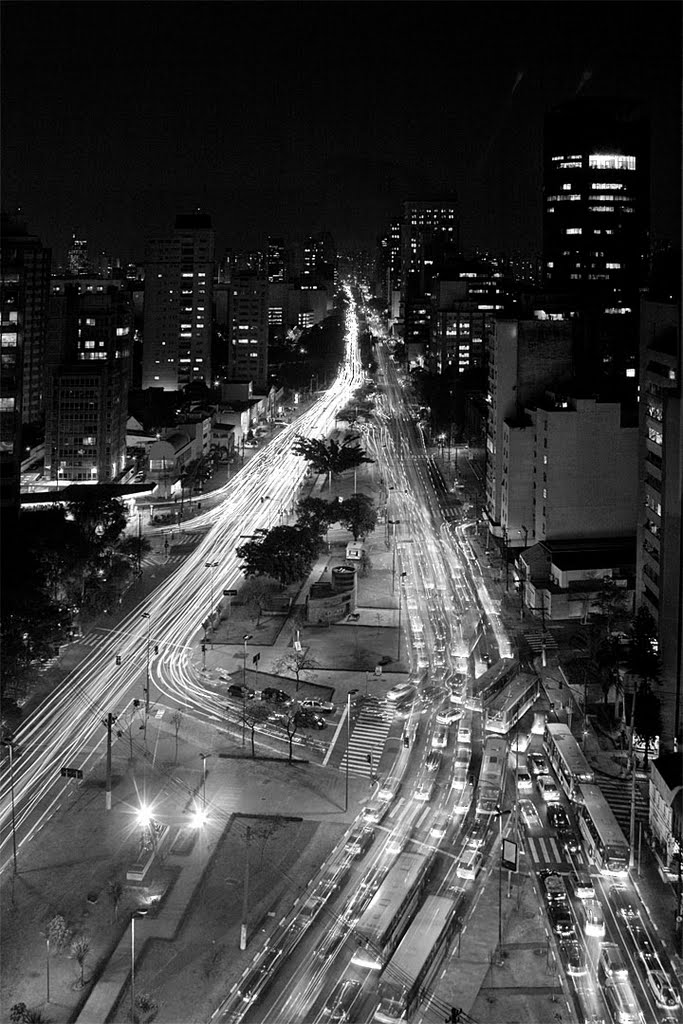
(612, 162)
(573, 231)
(613, 266)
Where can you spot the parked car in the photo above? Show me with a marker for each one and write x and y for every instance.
(243, 692)
(275, 696)
(360, 840)
(308, 720)
(321, 707)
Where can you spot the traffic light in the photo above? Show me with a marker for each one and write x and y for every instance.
(118, 659)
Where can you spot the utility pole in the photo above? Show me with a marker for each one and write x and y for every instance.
(245, 894)
(632, 759)
(107, 796)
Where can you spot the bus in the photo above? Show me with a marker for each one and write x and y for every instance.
(418, 957)
(492, 775)
(383, 922)
(601, 831)
(491, 682)
(566, 757)
(511, 704)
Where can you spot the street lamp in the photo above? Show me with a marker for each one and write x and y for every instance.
(136, 913)
(401, 579)
(9, 743)
(146, 615)
(211, 566)
(348, 742)
(204, 757)
(394, 523)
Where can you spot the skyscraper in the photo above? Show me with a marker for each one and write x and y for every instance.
(248, 333)
(429, 231)
(596, 202)
(178, 296)
(77, 259)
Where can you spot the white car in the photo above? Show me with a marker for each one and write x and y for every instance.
(389, 788)
(469, 864)
(662, 989)
(448, 715)
(464, 733)
(548, 789)
(439, 826)
(400, 692)
(440, 738)
(524, 783)
(423, 791)
(321, 707)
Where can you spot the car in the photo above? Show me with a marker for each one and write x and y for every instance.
(360, 840)
(400, 692)
(440, 738)
(529, 813)
(593, 918)
(469, 864)
(307, 720)
(430, 694)
(388, 789)
(375, 810)
(644, 947)
(320, 707)
(662, 989)
(338, 1007)
(423, 791)
(611, 961)
(554, 887)
(257, 980)
(243, 692)
(275, 696)
(464, 733)
(557, 816)
(476, 836)
(433, 762)
(408, 710)
(448, 715)
(439, 825)
(398, 840)
(582, 886)
(569, 839)
(574, 957)
(278, 717)
(537, 764)
(560, 918)
(330, 945)
(524, 781)
(250, 444)
(623, 902)
(547, 789)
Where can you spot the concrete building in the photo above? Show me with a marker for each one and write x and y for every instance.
(87, 382)
(666, 811)
(179, 271)
(596, 200)
(248, 333)
(660, 472)
(429, 228)
(524, 356)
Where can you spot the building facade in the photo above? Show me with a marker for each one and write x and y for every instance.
(248, 334)
(179, 270)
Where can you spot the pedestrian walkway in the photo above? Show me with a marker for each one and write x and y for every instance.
(545, 852)
(539, 640)
(367, 740)
(618, 796)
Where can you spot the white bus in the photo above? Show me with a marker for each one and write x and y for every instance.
(491, 682)
(383, 922)
(601, 831)
(567, 758)
(491, 775)
(511, 704)
(411, 970)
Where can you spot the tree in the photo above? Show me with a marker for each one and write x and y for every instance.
(58, 933)
(255, 712)
(648, 717)
(316, 513)
(80, 948)
(256, 594)
(358, 514)
(20, 1013)
(330, 457)
(286, 553)
(294, 663)
(115, 891)
(291, 724)
(101, 521)
(145, 1007)
(176, 719)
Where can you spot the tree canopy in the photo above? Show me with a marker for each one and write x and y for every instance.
(286, 553)
(357, 514)
(316, 513)
(331, 456)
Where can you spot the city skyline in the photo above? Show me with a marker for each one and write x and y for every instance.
(293, 123)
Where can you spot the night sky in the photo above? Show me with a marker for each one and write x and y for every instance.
(290, 118)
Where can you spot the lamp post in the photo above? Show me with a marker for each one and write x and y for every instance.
(394, 523)
(146, 615)
(400, 581)
(348, 741)
(211, 566)
(204, 757)
(136, 913)
(9, 743)
(246, 638)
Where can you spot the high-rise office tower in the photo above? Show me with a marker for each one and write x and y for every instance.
(596, 202)
(87, 382)
(429, 231)
(179, 272)
(77, 259)
(276, 257)
(248, 333)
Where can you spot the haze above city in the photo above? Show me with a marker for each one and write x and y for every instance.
(289, 118)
